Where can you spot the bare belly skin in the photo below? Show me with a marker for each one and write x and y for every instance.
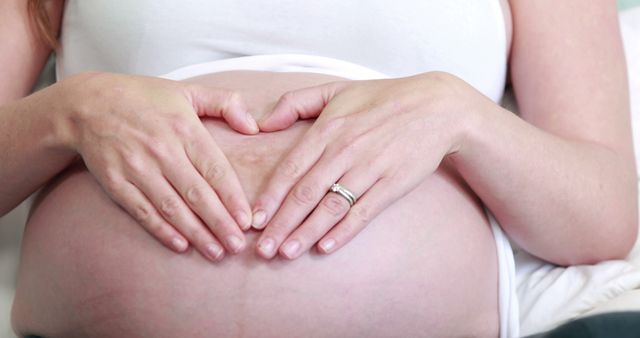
(426, 266)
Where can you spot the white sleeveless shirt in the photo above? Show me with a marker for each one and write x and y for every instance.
(398, 38)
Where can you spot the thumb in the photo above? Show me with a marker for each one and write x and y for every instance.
(300, 104)
(225, 104)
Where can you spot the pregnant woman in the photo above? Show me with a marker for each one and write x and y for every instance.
(424, 153)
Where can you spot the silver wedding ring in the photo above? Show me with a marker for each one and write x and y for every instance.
(344, 192)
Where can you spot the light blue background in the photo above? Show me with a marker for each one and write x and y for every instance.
(624, 4)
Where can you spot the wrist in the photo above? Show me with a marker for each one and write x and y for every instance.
(466, 109)
(477, 132)
(71, 98)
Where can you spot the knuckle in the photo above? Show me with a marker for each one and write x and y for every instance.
(112, 181)
(232, 98)
(169, 207)
(220, 227)
(182, 127)
(213, 172)
(196, 234)
(375, 163)
(343, 149)
(156, 229)
(336, 205)
(164, 233)
(227, 197)
(196, 144)
(135, 164)
(142, 214)
(349, 230)
(288, 97)
(194, 195)
(214, 225)
(328, 127)
(157, 147)
(303, 194)
(362, 214)
(290, 169)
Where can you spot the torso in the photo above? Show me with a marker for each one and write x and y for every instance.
(88, 270)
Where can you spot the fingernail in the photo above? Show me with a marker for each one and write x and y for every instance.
(267, 247)
(328, 245)
(214, 251)
(179, 244)
(235, 243)
(243, 220)
(291, 249)
(259, 217)
(252, 122)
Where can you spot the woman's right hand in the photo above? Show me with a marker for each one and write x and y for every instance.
(142, 139)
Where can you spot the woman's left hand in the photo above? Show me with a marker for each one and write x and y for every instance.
(377, 138)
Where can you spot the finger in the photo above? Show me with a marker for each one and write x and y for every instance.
(225, 104)
(299, 104)
(376, 199)
(289, 171)
(332, 208)
(300, 202)
(174, 210)
(201, 199)
(142, 211)
(214, 167)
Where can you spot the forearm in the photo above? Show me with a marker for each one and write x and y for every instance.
(32, 152)
(566, 201)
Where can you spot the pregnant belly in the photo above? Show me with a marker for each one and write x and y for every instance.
(425, 266)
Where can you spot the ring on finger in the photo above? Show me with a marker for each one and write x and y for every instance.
(344, 192)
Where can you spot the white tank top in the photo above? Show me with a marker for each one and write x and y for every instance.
(395, 37)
